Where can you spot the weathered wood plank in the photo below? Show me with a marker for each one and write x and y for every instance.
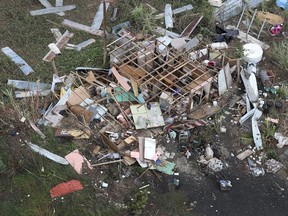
(168, 16)
(24, 67)
(82, 27)
(59, 3)
(99, 16)
(191, 27)
(60, 44)
(175, 11)
(52, 10)
(56, 33)
(85, 43)
(47, 4)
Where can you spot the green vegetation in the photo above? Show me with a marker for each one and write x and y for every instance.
(246, 139)
(280, 53)
(272, 154)
(143, 16)
(138, 202)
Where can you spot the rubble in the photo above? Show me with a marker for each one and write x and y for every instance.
(273, 166)
(282, 140)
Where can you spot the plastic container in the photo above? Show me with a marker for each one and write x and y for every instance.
(253, 53)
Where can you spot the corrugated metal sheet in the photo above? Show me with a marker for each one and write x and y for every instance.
(231, 8)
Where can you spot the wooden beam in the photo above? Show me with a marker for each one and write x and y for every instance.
(82, 27)
(52, 10)
(60, 44)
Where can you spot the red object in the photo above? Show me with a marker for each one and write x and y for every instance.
(65, 188)
(275, 30)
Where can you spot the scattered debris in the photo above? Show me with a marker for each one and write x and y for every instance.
(225, 185)
(255, 170)
(273, 166)
(282, 140)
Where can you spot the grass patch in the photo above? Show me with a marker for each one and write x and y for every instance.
(175, 201)
(280, 53)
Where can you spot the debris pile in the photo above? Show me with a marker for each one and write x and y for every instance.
(157, 92)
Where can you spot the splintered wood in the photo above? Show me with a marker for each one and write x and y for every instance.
(155, 67)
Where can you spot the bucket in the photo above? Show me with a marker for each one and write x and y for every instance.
(253, 53)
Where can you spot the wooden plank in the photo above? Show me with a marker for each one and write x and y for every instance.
(191, 27)
(60, 44)
(168, 16)
(97, 21)
(85, 44)
(132, 72)
(176, 11)
(163, 31)
(120, 79)
(222, 85)
(134, 87)
(228, 76)
(52, 10)
(47, 4)
(24, 67)
(59, 3)
(78, 96)
(56, 33)
(82, 27)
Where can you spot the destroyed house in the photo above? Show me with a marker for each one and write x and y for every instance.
(155, 68)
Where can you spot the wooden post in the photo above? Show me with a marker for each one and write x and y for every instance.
(104, 36)
(238, 70)
(54, 67)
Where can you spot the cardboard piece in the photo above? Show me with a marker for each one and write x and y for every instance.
(82, 114)
(76, 160)
(120, 79)
(77, 96)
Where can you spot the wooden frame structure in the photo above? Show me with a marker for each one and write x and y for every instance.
(153, 66)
